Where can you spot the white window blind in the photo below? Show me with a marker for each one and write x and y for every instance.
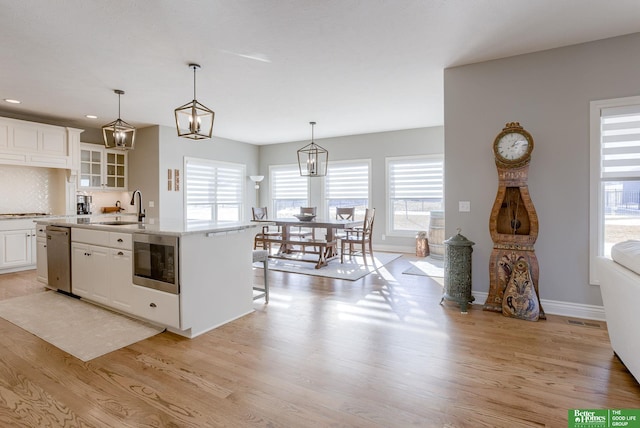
(348, 180)
(347, 185)
(213, 190)
(614, 205)
(416, 178)
(620, 156)
(415, 186)
(289, 190)
(287, 183)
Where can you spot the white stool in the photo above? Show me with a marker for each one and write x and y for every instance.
(262, 256)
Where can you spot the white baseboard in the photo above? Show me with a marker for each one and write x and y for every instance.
(555, 307)
(394, 248)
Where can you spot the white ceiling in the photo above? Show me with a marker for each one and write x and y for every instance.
(269, 67)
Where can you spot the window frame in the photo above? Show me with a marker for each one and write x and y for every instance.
(596, 207)
(354, 162)
(273, 212)
(241, 202)
(390, 229)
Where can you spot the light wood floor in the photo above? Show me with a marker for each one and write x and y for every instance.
(378, 352)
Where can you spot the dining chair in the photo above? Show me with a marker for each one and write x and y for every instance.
(359, 237)
(268, 232)
(344, 213)
(301, 232)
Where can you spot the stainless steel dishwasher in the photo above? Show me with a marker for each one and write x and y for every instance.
(59, 258)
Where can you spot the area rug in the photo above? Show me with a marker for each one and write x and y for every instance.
(426, 267)
(81, 329)
(352, 269)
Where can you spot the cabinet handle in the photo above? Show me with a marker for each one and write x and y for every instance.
(120, 253)
(153, 305)
(120, 240)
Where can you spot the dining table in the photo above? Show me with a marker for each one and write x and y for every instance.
(328, 245)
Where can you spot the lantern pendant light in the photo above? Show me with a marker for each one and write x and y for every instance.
(313, 159)
(119, 134)
(194, 120)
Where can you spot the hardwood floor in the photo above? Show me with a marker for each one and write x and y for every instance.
(378, 352)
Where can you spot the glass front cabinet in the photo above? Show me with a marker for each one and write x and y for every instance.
(102, 168)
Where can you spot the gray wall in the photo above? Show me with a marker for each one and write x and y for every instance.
(377, 147)
(144, 169)
(158, 148)
(548, 93)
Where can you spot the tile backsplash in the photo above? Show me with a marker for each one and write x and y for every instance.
(25, 189)
(108, 199)
(31, 190)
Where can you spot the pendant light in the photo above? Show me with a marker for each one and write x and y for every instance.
(194, 120)
(313, 159)
(119, 134)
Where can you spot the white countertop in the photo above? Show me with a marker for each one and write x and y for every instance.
(150, 226)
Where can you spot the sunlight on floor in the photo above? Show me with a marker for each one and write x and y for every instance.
(276, 300)
(390, 306)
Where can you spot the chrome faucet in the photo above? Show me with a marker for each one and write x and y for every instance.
(141, 212)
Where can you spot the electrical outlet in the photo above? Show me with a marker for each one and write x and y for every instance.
(464, 206)
(384, 237)
(152, 204)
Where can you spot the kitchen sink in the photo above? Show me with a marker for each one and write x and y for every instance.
(116, 223)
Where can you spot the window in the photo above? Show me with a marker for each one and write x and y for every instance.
(347, 185)
(214, 191)
(414, 189)
(615, 175)
(289, 190)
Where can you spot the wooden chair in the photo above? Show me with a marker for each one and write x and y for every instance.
(261, 238)
(359, 237)
(301, 232)
(344, 213)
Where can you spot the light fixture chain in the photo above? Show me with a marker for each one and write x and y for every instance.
(194, 82)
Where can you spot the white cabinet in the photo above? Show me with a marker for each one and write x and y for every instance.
(41, 254)
(101, 267)
(102, 168)
(37, 144)
(121, 285)
(16, 248)
(17, 245)
(42, 273)
(90, 272)
(156, 306)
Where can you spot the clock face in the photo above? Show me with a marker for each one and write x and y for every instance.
(512, 146)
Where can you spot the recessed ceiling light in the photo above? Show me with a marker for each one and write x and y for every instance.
(91, 116)
(9, 100)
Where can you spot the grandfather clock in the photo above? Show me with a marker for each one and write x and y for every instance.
(513, 223)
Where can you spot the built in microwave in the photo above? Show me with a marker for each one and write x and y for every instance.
(155, 262)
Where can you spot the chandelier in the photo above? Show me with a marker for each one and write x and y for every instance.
(194, 120)
(119, 134)
(313, 159)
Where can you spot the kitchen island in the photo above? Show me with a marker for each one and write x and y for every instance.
(214, 273)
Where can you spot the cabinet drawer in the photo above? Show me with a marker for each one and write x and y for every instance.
(87, 236)
(120, 240)
(41, 231)
(157, 306)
